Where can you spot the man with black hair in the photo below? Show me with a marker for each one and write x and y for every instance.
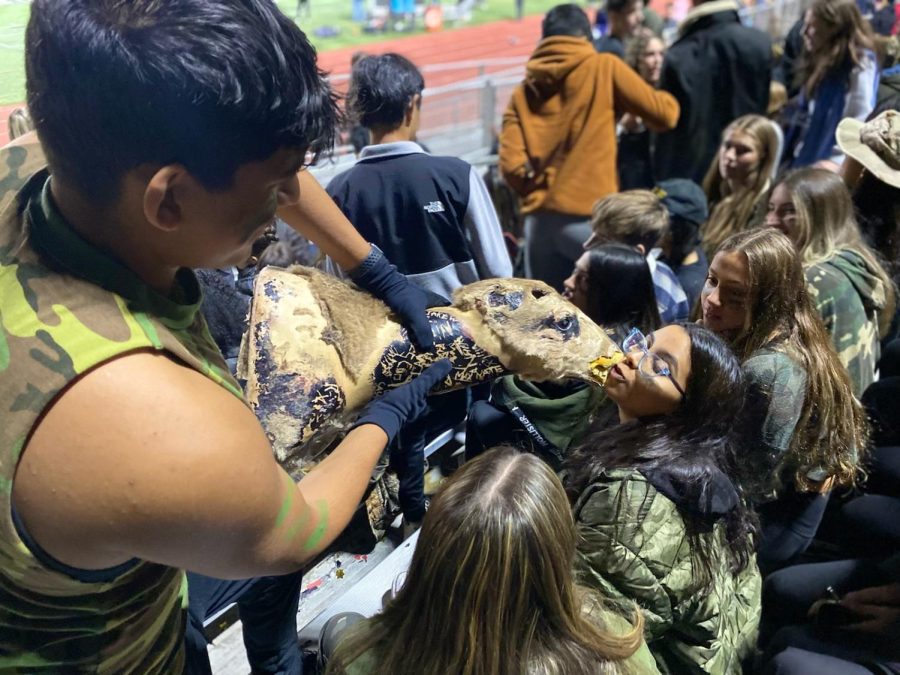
(127, 452)
(719, 70)
(558, 143)
(432, 216)
(625, 17)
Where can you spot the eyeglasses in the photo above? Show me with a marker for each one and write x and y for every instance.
(650, 365)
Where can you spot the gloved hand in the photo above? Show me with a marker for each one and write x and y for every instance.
(405, 403)
(376, 275)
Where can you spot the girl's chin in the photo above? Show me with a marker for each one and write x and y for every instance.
(782, 229)
(716, 327)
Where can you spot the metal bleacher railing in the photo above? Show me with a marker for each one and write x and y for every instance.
(457, 119)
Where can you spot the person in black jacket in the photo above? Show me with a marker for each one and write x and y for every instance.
(718, 70)
(432, 216)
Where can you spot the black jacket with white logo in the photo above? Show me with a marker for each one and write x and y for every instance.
(431, 216)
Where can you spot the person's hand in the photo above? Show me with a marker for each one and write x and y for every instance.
(382, 280)
(877, 609)
(405, 403)
(631, 123)
(826, 486)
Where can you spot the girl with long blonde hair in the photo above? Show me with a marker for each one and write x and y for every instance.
(490, 589)
(807, 427)
(739, 178)
(850, 289)
(837, 75)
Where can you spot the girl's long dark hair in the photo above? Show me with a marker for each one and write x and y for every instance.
(620, 289)
(697, 443)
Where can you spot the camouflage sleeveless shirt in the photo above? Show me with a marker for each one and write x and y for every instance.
(65, 308)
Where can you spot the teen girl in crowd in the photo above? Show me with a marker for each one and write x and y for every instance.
(613, 286)
(838, 75)
(852, 293)
(805, 426)
(658, 503)
(739, 178)
(645, 52)
(492, 576)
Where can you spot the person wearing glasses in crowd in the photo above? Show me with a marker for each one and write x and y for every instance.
(613, 286)
(658, 504)
(805, 427)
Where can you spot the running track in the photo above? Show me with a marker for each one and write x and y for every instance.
(500, 39)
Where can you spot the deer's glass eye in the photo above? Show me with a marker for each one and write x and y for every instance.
(566, 326)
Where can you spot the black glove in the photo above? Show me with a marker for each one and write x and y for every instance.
(405, 403)
(376, 275)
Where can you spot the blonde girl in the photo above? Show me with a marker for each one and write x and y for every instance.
(739, 178)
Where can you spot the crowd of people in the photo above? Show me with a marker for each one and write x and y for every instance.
(727, 502)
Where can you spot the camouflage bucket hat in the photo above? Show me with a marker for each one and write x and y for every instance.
(874, 144)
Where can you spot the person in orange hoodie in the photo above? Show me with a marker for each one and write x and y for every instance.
(558, 142)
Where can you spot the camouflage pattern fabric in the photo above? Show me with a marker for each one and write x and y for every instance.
(776, 393)
(57, 325)
(633, 548)
(847, 295)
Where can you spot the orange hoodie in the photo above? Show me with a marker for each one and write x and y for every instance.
(558, 143)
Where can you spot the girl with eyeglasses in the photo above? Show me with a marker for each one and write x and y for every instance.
(613, 286)
(806, 430)
(658, 504)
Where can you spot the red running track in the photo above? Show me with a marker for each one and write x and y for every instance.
(497, 40)
(500, 39)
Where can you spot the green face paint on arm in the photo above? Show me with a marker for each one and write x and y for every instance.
(299, 521)
(318, 532)
(287, 503)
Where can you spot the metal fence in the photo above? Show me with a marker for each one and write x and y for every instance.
(463, 118)
(459, 119)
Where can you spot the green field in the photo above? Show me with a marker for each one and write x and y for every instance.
(334, 13)
(12, 53)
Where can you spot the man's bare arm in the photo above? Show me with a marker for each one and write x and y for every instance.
(146, 458)
(318, 218)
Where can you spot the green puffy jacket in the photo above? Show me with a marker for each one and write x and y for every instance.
(634, 548)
